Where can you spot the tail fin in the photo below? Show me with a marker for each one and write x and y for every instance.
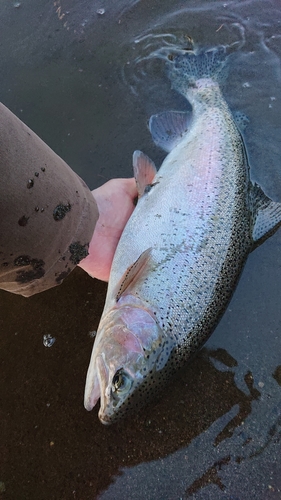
(186, 69)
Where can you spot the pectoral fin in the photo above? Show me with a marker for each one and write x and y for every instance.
(266, 215)
(144, 171)
(168, 128)
(133, 273)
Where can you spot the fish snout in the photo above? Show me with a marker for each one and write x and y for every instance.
(104, 418)
(96, 380)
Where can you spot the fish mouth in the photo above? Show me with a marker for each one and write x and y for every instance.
(103, 378)
(92, 392)
(104, 419)
(106, 415)
(96, 377)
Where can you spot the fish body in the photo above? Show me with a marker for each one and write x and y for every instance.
(183, 249)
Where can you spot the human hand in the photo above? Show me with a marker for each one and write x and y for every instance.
(115, 201)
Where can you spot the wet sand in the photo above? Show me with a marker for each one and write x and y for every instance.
(51, 447)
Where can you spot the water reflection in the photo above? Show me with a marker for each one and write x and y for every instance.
(49, 434)
(200, 432)
(249, 87)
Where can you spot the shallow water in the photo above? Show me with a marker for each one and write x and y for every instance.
(86, 83)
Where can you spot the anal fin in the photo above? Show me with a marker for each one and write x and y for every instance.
(241, 120)
(266, 215)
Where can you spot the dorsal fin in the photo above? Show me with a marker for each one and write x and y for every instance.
(132, 274)
(144, 171)
(168, 128)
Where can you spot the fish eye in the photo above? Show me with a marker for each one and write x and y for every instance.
(121, 381)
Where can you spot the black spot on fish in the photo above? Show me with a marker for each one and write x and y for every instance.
(30, 183)
(43, 169)
(78, 252)
(36, 174)
(36, 209)
(23, 221)
(61, 210)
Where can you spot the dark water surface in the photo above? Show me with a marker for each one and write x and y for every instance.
(86, 83)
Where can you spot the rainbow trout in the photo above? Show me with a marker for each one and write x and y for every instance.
(183, 249)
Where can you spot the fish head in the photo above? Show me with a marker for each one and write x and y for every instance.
(129, 349)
